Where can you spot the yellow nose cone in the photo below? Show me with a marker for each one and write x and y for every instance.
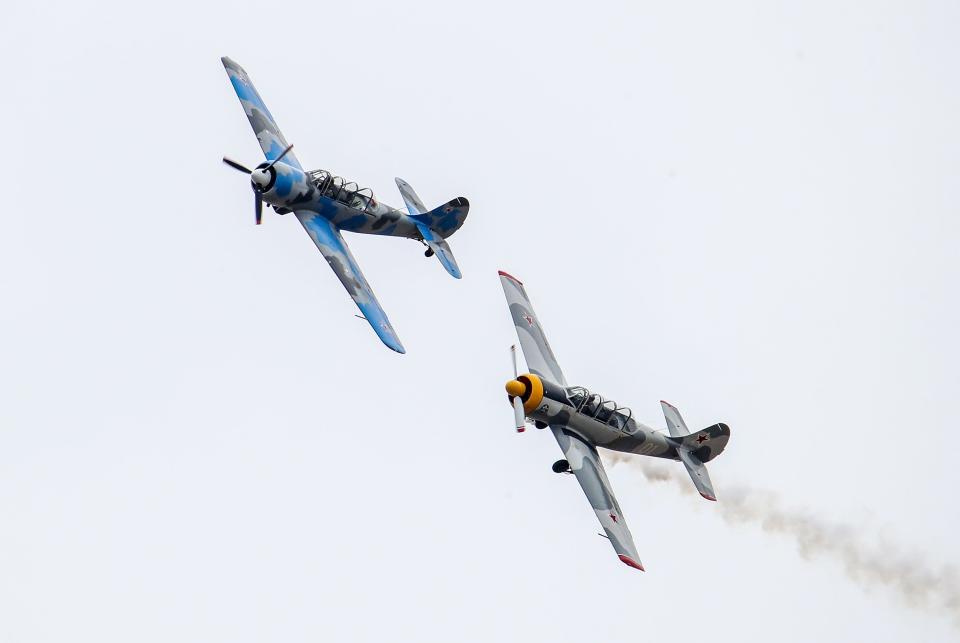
(516, 388)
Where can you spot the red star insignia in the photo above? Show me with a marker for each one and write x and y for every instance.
(613, 517)
(703, 437)
(529, 319)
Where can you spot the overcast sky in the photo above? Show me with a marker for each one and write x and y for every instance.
(750, 211)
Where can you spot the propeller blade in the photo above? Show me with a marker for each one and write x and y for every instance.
(513, 358)
(236, 166)
(282, 154)
(518, 416)
(258, 206)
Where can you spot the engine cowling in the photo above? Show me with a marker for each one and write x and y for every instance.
(529, 388)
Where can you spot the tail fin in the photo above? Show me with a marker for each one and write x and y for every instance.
(444, 220)
(437, 224)
(694, 449)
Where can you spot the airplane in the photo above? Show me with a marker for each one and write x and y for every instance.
(326, 205)
(582, 421)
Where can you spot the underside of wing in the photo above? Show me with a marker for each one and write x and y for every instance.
(333, 248)
(585, 464)
(268, 134)
(536, 348)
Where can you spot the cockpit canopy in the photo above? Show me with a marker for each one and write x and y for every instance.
(343, 191)
(606, 411)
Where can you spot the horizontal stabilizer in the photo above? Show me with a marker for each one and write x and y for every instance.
(698, 473)
(675, 424)
(440, 248)
(411, 200)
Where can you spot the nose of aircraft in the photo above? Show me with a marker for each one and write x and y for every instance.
(516, 388)
(260, 179)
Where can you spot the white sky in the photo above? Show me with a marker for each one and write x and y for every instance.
(748, 210)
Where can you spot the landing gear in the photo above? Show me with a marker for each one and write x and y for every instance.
(428, 253)
(539, 424)
(561, 466)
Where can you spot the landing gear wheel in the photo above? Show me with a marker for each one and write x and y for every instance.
(561, 466)
(428, 253)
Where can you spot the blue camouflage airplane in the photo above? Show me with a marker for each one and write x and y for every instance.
(326, 204)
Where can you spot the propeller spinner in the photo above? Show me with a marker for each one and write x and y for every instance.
(260, 180)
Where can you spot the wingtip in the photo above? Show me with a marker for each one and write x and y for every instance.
(394, 344)
(388, 336)
(626, 560)
(710, 498)
(231, 65)
(509, 276)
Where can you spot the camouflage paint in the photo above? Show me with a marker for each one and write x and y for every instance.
(579, 434)
(294, 190)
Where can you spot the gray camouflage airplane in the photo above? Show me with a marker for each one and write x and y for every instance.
(326, 204)
(581, 421)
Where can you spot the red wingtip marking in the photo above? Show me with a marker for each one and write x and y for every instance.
(631, 562)
(708, 497)
(509, 276)
(520, 429)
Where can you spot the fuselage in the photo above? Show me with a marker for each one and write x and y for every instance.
(345, 205)
(602, 423)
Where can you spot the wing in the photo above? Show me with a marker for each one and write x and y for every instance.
(271, 140)
(338, 255)
(536, 349)
(585, 464)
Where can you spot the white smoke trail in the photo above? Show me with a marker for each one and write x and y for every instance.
(865, 558)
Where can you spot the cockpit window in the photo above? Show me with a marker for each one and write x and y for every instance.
(606, 411)
(338, 189)
(592, 405)
(621, 420)
(577, 396)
